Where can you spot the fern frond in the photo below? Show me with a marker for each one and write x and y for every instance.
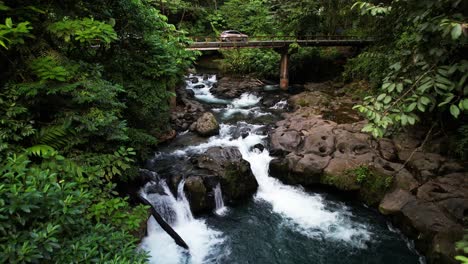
(43, 151)
(56, 136)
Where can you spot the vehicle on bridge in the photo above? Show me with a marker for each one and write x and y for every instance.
(233, 35)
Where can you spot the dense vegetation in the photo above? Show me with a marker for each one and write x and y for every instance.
(419, 63)
(84, 92)
(85, 89)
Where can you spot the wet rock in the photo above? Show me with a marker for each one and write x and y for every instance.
(299, 169)
(405, 180)
(319, 140)
(199, 86)
(287, 140)
(393, 202)
(335, 174)
(196, 194)
(155, 188)
(450, 167)
(237, 181)
(423, 165)
(259, 146)
(207, 125)
(387, 149)
(425, 222)
(449, 192)
(233, 87)
(147, 175)
(314, 99)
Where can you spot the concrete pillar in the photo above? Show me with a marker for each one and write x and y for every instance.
(284, 74)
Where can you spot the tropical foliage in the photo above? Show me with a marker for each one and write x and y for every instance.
(417, 63)
(84, 95)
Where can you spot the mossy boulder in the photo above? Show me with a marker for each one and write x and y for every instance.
(234, 173)
(196, 194)
(206, 125)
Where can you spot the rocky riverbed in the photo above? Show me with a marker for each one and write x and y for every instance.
(314, 140)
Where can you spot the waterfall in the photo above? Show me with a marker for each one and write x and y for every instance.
(187, 214)
(304, 212)
(220, 208)
(201, 239)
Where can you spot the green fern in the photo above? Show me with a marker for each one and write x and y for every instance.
(56, 136)
(43, 151)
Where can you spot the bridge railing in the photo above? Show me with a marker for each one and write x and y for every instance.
(282, 38)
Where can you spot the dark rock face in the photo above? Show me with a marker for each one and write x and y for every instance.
(236, 178)
(425, 193)
(196, 194)
(435, 231)
(232, 87)
(187, 110)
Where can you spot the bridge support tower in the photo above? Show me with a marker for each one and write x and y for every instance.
(284, 72)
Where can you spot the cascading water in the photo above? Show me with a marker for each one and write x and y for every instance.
(218, 194)
(284, 224)
(201, 239)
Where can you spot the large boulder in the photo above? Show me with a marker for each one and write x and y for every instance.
(434, 231)
(449, 192)
(285, 139)
(299, 169)
(236, 178)
(315, 99)
(319, 140)
(233, 87)
(196, 194)
(206, 125)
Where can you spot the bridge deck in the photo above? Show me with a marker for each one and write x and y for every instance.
(216, 45)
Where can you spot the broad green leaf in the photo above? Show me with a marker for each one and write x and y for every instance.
(8, 22)
(381, 97)
(456, 31)
(425, 100)
(387, 99)
(385, 85)
(454, 110)
(411, 107)
(465, 104)
(399, 87)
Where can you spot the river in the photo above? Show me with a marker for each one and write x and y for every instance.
(281, 224)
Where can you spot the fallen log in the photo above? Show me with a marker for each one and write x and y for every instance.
(165, 226)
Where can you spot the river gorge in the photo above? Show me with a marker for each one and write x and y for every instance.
(264, 220)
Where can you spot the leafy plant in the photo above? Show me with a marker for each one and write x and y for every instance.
(11, 34)
(424, 74)
(463, 247)
(86, 30)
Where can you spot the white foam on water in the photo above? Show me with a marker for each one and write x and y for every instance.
(204, 94)
(246, 100)
(218, 195)
(203, 241)
(304, 212)
(280, 105)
